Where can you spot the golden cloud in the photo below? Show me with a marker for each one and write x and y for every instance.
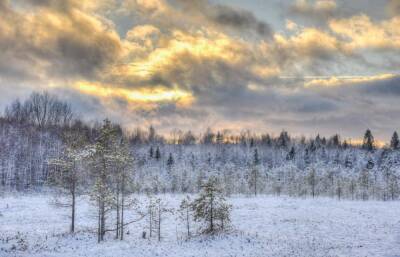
(361, 32)
(346, 80)
(307, 44)
(143, 97)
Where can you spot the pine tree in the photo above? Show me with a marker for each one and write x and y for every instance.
(256, 158)
(152, 135)
(284, 139)
(368, 142)
(103, 160)
(122, 182)
(254, 174)
(211, 207)
(291, 154)
(170, 161)
(151, 152)
(158, 154)
(67, 174)
(395, 143)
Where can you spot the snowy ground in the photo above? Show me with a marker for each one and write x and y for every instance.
(263, 226)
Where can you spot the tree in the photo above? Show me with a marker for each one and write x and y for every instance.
(170, 161)
(152, 135)
(211, 206)
(368, 141)
(334, 140)
(67, 174)
(160, 210)
(219, 139)
(151, 152)
(312, 181)
(364, 180)
(158, 154)
(254, 174)
(185, 212)
(395, 143)
(103, 160)
(122, 182)
(40, 109)
(291, 154)
(284, 139)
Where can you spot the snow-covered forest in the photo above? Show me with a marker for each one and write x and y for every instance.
(35, 132)
(122, 179)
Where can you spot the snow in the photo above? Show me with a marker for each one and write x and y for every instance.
(262, 226)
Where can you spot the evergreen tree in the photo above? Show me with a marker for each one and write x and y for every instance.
(256, 158)
(291, 154)
(284, 139)
(395, 143)
(254, 174)
(103, 160)
(211, 207)
(152, 135)
(170, 161)
(151, 152)
(67, 174)
(368, 142)
(158, 154)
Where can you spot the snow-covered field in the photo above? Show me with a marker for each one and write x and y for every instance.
(263, 226)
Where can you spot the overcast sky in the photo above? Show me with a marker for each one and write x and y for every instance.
(305, 66)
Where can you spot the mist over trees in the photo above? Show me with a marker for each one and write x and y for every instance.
(44, 145)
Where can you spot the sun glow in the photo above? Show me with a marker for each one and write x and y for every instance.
(158, 94)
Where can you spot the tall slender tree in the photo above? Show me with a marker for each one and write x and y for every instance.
(394, 142)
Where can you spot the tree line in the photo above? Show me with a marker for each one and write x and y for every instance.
(36, 132)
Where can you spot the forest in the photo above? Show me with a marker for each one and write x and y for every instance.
(41, 135)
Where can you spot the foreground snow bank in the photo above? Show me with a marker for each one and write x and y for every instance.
(263, 226)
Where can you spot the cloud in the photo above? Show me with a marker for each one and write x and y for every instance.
(335, 81)
(319, 9)
(140, 98)
(67, 44)
(239, 19)
(200, 12)
(393, 7)
(361, 32)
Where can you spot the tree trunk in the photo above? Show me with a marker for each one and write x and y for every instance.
(118, 222)
(159, 222)
(187, 222)
(99, 225)
(73, 209)
(255, 182)
(122, 215)
(212, 215)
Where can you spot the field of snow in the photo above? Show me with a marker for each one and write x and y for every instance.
(262, 227)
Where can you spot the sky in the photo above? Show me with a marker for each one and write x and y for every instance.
(316, 66)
